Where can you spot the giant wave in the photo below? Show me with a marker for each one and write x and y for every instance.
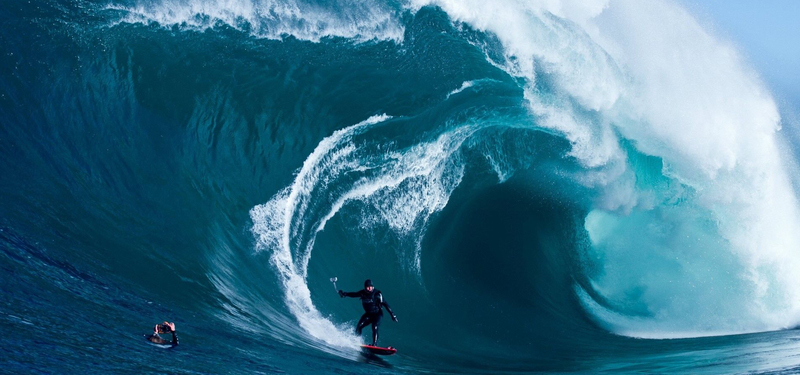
(556, 176)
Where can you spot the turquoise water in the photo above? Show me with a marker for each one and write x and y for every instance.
(551, 188)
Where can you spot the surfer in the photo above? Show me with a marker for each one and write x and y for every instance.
(372, 301)
(162, 328)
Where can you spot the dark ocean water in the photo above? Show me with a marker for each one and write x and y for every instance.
(560, 187)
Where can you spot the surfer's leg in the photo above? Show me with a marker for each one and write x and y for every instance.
(362, 323)
(376, 322)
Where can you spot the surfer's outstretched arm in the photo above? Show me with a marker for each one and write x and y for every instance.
(386, 305)
(349, 294)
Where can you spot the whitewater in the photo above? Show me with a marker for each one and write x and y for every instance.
(536, 186)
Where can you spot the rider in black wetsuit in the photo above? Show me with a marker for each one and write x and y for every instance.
(372, 300)
(165, 327)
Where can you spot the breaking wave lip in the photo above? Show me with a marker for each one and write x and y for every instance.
(631, 80)
(358, 21)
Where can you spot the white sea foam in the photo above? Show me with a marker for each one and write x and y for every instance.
(464, 86)
(272, 19)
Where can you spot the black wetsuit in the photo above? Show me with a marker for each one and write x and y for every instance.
(156, 339)
(373, 313)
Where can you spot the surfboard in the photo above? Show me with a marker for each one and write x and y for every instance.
(379, 350)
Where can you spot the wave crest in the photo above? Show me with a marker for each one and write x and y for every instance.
(356, 20)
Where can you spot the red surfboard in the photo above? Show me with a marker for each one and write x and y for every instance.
(378, 350)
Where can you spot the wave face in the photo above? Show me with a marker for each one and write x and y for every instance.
(534, 186)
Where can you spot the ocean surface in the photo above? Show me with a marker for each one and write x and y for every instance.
(535, 186)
